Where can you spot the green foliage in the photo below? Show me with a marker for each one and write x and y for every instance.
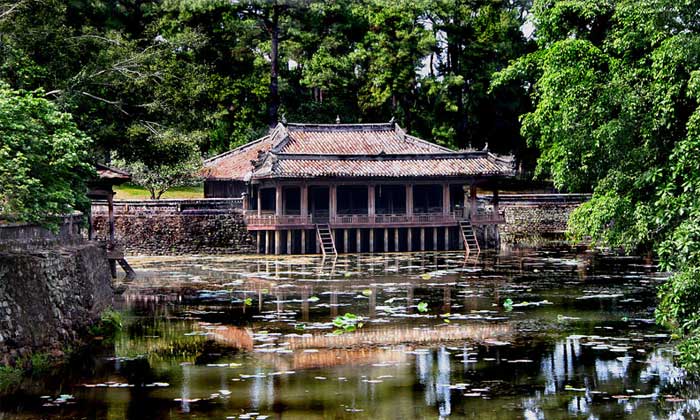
(109, 325)
(40, 364)
(204, 67)
(508, 304)
(171, 159)
(347, 323)
(422, 307)
(9, 376)
(43, 159)
(617, 112)
(689, 352)
(679, 303)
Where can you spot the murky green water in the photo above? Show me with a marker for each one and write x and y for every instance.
(253, 337)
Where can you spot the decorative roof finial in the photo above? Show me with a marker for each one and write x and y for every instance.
(283, 120)
(337, 119)
(392, 121)
(486, 147)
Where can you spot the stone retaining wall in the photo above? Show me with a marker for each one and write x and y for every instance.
(49, 291)
(216, 226)
(171, 227)
(529, 217)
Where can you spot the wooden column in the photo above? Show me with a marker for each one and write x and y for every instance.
(246, 202)
(396, 240)
(371, 240)
(278, 241)
(472, 200)
(409, 239)
(447, 238)
(445, 199)
(358, 236)
(303, 241)
(333, 201)
(259, 203)
(345, 240)
(290, 234)
(267, 241)
(495, 202)
(110, 205)
(409, 199)
(371, 206)
(435, 239)
(257, 241)
(386, 240)
(422, 239)
(304, 203)
(279, 205)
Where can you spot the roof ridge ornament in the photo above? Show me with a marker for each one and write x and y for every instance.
(486, 147)
(337, 119)
(283, 120)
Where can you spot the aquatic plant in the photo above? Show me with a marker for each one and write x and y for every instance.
(347, 323)
(508, 304)
(422, 307)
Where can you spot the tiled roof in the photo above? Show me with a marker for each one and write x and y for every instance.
(237, 163)
(479, 164)
(105, 172)
(353, 150)
(354, 140)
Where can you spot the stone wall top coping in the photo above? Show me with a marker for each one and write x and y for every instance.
(172, 202)
(544, 198)
(29, 234)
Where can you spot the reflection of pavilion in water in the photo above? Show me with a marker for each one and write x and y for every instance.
(285, 285)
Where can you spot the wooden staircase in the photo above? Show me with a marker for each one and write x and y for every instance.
(469, 237)
(325, 238)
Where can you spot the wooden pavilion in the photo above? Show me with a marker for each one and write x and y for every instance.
(102, 188)
(359, 188)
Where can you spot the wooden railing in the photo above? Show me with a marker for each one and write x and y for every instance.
(264, 221)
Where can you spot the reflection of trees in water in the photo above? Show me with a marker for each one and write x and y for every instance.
(160, 339)
(284, 285)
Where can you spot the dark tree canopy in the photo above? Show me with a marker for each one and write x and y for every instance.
(229, 69)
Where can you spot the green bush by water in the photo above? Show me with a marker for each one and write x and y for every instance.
(679, 310)
(109, 325)
(10, 376)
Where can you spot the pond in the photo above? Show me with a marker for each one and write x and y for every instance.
(524, 334)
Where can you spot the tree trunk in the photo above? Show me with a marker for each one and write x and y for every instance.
(274, 66)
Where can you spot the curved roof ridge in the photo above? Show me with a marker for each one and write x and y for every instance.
(428, 143)
(240, 148)
(339, 127)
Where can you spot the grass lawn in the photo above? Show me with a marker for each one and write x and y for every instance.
(134, 192)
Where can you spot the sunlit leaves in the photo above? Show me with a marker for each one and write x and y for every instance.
(43, 159)
(617, 112)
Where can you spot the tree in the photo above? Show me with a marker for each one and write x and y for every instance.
(172, 160)
(616, 87)
(43, 159)
(391, 54)
(474, 39)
